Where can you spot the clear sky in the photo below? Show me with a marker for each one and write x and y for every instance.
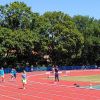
(72, 7)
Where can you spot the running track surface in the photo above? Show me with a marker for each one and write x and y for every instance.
(40, 88)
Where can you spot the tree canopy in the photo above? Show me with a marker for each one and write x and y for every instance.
(51, 38)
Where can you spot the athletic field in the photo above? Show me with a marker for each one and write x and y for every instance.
(39, 87)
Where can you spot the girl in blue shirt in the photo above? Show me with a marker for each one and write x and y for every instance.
(2, 74)
(13, 73)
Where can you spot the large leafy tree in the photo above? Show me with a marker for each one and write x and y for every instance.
(64, 39)
(15, 43)
(90, 28)
(15, 15)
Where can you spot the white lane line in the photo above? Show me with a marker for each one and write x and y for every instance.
(58, 86)
(20, 93)
(47, 94)
(47, 83)
(9, 96)
(65, 87)
(63, 91)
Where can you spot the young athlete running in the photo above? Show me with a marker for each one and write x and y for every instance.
(13, 73)
(24, 79)
(2, 74)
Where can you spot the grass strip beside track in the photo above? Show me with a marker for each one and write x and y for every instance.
(90, 78)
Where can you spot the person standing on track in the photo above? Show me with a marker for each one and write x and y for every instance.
(24, 79)
(13, 73)
(56, 73)
(2, 74)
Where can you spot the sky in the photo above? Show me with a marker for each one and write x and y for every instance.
(89, 8)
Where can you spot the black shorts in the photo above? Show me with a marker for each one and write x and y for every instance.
(15, 75)
(56, 75)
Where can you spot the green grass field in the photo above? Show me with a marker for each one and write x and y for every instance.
(90, 78)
